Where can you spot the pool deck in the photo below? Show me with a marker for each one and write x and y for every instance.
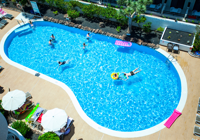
(52, 96)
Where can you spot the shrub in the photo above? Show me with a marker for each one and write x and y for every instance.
(123, 20)
(186, 20)
(21, 126)
(60, 4)
(89, 10)
(13, 1)
(1, 108)
(108, 13)
(73, 14)
(55, 12)
(147, 27)
(139, 19)
(118, 28)
(160, 29)
(192, 21)
(48, 136)
(50, 2)
(75, 3)
(23, 2)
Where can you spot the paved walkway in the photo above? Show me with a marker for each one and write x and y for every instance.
(50, 96)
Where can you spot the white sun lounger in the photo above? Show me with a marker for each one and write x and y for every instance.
(69, 123)
(197, 121)
(196, 131)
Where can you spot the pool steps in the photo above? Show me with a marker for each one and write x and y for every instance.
(22, 28)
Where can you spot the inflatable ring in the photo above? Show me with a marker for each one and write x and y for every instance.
(113, 77)
(19, 6)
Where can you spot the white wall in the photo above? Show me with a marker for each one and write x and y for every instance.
(164, 22)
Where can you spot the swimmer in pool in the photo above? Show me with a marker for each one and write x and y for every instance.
(50, 42)
(52, 37)
(131, 73)
(64, 62)
(117, 76)
(84, 45)
(88, 36)
(31, 23)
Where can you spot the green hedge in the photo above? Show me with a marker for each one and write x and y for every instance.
(92, 10)
(48, 136)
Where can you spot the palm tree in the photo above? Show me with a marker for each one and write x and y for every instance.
(132, 8)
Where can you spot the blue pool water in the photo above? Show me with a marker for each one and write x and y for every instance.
(141, 102)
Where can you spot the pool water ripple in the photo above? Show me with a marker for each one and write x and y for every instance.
(141, 102)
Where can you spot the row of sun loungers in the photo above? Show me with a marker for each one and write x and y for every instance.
(3, 14)
(197, 121)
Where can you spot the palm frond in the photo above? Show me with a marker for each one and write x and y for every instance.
(141, 9)
(129, 10)
(134, 4)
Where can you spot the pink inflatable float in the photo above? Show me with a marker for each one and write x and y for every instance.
(123, 43)
(172, 118)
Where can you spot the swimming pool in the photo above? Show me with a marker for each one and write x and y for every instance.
(143, 101)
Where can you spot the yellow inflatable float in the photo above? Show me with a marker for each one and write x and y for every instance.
(115, 77)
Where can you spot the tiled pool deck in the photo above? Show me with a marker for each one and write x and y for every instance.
(50, 96)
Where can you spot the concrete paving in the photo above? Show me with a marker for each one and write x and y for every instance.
(51, 96)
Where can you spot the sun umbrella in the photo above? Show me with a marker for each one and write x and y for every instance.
(54, 120)
(13, 100)
(3, 127)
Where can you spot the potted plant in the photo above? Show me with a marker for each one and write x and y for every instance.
(169, 37)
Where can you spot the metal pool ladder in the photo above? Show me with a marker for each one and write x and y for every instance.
(170, 58)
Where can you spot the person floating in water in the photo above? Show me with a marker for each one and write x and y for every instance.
(84, 45)
(88, 36)
(52, 37)
(130, 73)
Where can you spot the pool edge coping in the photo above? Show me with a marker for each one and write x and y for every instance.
(76, 104)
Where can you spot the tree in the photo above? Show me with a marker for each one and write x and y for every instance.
(132, 8)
